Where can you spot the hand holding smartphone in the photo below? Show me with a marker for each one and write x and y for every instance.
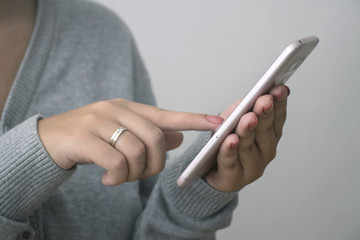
(278, 73)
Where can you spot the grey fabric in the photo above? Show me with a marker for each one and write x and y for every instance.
(80, 53)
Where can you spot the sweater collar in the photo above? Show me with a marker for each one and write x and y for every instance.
(31, 68)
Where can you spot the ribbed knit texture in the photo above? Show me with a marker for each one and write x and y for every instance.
(80, 53)
(25, 155)
(34, 174)
(198, 199)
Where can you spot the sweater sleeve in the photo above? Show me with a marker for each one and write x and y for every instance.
(27, 176)
(195, 212)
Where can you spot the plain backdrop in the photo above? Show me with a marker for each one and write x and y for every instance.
(204, 54)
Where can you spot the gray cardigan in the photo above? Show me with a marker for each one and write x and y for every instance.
(80, 53)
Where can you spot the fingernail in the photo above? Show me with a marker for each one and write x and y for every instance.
(252, 126)
(234, 145)
(268, 109)
(287, 90)
(214, 119)
(282, 96)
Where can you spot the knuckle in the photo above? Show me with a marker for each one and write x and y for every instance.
(271, 155)
(264, 98)
(121, 103)
(269, 97)
(268, 155)
(260, 173)
(156, 168)
(138, 152)
(118, 162)
(91, 118)
(76, 135)
(156, 155)
(102, 105)
(256, 175)
(165, 118)
(131, 177)
(118, 165)
(163, 121)
(157, 136)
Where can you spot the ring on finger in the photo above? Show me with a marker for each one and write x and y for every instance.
(116, 135)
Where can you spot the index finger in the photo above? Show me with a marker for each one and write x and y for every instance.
(168, 120)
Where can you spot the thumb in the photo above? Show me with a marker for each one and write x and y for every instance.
(173, 140)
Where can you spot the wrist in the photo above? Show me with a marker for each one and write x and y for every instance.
(50, 146)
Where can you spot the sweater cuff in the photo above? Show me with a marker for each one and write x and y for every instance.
(198, 199)
(27, 172)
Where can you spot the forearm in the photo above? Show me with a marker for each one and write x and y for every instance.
(27, 174)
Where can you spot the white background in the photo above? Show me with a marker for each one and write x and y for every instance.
(204, 54)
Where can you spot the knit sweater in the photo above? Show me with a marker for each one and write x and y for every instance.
(80, 53)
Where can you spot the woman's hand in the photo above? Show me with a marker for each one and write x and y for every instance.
(244, 155)
(83, 136)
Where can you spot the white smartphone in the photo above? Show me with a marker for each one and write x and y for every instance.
(278, 73)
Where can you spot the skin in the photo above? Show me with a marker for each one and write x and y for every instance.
(17, 20)
(82, 136)
(244, 155)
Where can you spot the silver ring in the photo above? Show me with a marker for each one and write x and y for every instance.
(116, 135)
